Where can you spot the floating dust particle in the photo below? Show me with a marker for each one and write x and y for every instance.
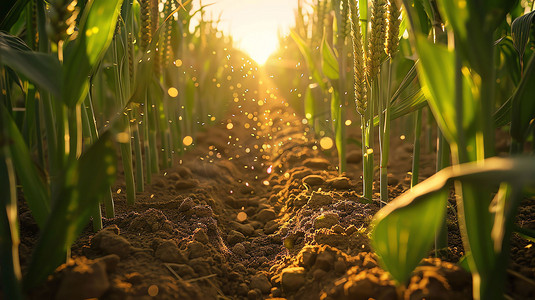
(270, 169)
(178, 62)
(242, 216)
(326, 143)
(348, 122)
(286, 175)
(153, 290)
(265, 182)
(118, 191)
(402, 137)
(151, 196)
(187, 140)
(123, 137)
(172, 92)
(230, 126)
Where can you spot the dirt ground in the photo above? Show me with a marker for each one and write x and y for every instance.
(257, 210)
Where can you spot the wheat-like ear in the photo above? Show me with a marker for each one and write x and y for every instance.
(392, 34)
(145, 31)
(168, 53)
(62, 15)
(359, 68)
(155, 22)
(344, 24)
(376, 46)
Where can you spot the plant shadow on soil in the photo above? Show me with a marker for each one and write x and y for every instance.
(238, 219)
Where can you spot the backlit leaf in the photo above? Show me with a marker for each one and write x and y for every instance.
(95, 34)
(73, 207)
(329, 64)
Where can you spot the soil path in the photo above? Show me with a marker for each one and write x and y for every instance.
(257, 210)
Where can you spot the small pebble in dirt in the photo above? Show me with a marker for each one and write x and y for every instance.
(186, 184)
(246, 229)
(110, 261)
(239, 249)
(313, 180)
(201, 211)
(109, 242)
(339, 183)
(196, 249)
(234, 237)
(337, 228)
(326, 220)
(340, 265)
(317, 163)
(86, 279)
(351, 229)
(184, 270)
(324, 260)
(293, 278)
(186, 205)
(276, 292)
(271, 227)
(318, 199)
(242, 289)
(253, 295)
(307, 256)
(200, 235)
(265, 215)
(168, 252)
(261, 282)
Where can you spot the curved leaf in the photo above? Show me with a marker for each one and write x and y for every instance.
(520, 29)
(522, 104)
(11, 15)
(73, 207)
(404, 230)
(33, 185)
(35, 66)
(95, 34)
(307, 54)
(329, 64)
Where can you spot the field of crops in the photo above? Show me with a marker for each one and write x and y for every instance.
(383, 151)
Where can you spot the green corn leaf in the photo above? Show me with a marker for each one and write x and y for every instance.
(310, 105)
(520, 29)
(417, 16)
(409, 104)
(73, 207)
(474, 23)
(510, 56)
(10, 241)
(404, 230)
(329, 64)
(11, 15)
(502, 116)
(309, 59)
(37, 67)
(407, 82)
(522, 104)
(95, 34)
(437, 75)
(33, 184)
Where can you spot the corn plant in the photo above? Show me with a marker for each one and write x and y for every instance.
(462, 101)
(62, 203)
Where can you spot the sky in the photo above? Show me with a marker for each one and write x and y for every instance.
(253, 24)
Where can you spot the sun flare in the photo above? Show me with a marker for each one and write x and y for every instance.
(253, 24)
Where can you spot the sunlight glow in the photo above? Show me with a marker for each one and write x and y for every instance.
(253, 24)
